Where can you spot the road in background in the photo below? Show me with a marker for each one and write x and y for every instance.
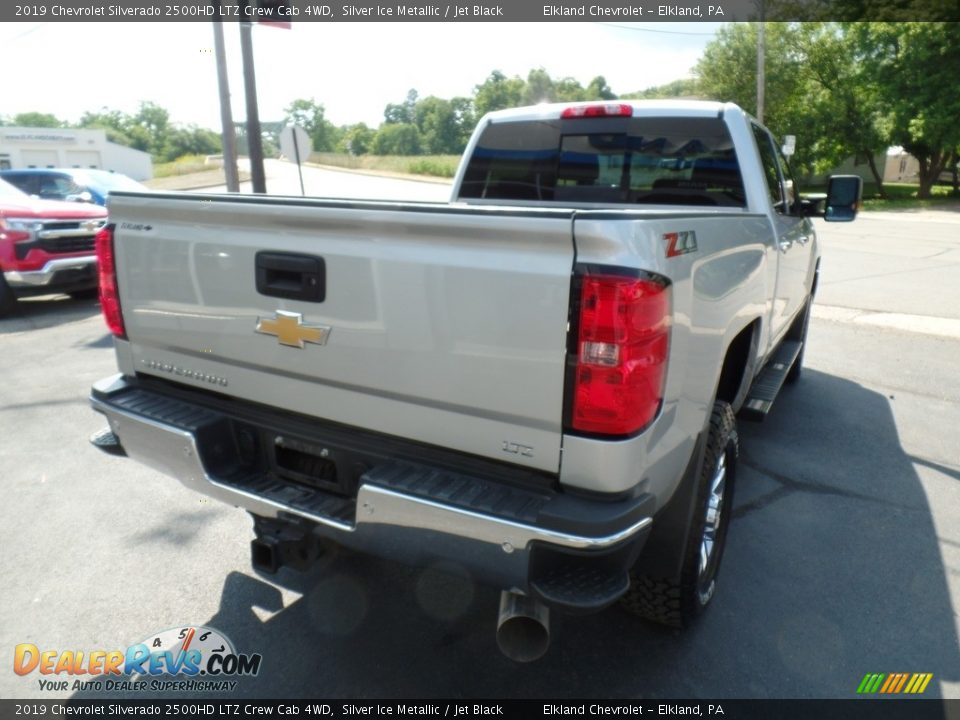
(843, 559)
(895, 269)
(282, 179)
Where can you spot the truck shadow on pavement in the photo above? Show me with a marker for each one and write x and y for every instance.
(48, 311)
(833, 570)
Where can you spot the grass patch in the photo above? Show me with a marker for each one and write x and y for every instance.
(443, 166)
(902, 196)
(186, 165)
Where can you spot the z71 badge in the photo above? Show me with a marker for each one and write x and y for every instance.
(680, 243)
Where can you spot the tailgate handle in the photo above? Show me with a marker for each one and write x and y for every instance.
(292, 276)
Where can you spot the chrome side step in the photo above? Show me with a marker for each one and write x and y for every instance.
(768, 383)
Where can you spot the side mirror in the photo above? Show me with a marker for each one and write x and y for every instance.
(811, 204)
(84, 197)
(844, 193)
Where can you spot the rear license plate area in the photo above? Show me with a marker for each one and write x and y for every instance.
(308, 464)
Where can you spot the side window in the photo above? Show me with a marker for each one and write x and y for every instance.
(23, 182)
(57, 187)
(771, 169)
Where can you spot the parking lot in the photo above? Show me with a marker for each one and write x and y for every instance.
(843, 556)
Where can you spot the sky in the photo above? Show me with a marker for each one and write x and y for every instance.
(353, 69)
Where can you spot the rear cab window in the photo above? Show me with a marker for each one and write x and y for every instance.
(634, 161)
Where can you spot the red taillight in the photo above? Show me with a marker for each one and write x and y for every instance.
(622, 347)
(109, 295)
(600, 110)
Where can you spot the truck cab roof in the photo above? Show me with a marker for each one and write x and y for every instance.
(638, 108)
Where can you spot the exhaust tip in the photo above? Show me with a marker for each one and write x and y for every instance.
(523, 630)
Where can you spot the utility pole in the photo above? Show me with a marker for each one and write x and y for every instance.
(254, 137)
(761, 70)
(226, 114)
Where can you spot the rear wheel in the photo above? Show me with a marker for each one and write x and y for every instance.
(86, 294)
(679, 601)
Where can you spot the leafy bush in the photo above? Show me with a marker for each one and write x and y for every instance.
(437, 167)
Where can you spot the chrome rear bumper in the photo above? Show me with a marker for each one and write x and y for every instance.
(384, 518)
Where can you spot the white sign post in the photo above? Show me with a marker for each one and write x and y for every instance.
(295, 145)
(789, 145)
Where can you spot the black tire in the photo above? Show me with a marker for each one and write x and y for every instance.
(8, 301)
(677, 602)
(798, 331)
(86, 294)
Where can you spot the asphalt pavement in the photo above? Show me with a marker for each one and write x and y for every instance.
(843, 555)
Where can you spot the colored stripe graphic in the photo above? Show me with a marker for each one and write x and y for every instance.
(894, 683)
(870, 683)
(918, 683)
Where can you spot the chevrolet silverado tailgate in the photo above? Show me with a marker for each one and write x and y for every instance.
(439, 324)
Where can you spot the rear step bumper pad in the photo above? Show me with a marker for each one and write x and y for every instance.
(399, 511)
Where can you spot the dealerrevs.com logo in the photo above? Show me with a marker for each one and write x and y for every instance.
(179, 660)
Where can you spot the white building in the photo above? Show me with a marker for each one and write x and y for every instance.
(22, 147)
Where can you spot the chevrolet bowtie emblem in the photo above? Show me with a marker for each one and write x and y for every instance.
(290, 329)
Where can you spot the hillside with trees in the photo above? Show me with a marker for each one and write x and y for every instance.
(844, 89)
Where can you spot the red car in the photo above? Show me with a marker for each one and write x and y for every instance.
(46, 246)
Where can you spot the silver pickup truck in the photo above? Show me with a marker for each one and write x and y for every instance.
(537, 382)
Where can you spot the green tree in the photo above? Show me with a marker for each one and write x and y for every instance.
(114, 122)
(38, 120)
(190, 140)
(570, 90)
(438, 123)
(466, 120)
(396, 139)
(848, 89)
(356, 139)
(727, 71)
(843, 108)
(912, 69)
(405, 112)
(682, 88)
(539, 88)
(498, 92)
(598, 89)
(311, 116)
(149, 128)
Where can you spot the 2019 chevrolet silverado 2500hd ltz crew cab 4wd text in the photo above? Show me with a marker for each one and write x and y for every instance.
(537, 381)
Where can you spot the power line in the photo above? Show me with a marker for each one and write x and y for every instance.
(26, 32)
(651, 30)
